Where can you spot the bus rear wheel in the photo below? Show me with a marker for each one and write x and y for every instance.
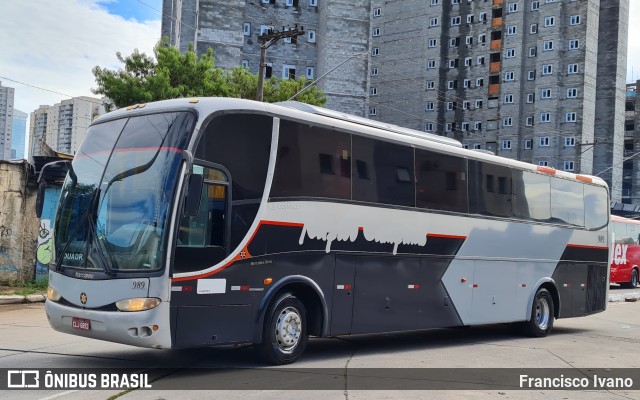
(634, 280)
(542, 314)
(285, 336)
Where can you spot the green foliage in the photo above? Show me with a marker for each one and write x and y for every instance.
(174, 75)
(26, 288)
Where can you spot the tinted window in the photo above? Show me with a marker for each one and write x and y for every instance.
(531, 196)
(492, 189)
(622, 236)
(312, 161)
(242, 144)
(596, 205)
(441, 182)
(567, 202)
(383, 172)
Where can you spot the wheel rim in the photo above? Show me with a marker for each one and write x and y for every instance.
(542, 313)
(634, 279)
(288, 329)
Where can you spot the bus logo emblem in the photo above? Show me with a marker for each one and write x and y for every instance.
(83, 298)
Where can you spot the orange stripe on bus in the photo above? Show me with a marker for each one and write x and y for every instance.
(583, 178)
(582, 246)
(434, 235)
(546, 170)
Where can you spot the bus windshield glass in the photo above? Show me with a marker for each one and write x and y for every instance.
(115, 201)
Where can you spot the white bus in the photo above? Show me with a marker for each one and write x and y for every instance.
(214, 221)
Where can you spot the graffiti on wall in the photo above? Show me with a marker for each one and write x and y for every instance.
(43, 253)
(6, 264)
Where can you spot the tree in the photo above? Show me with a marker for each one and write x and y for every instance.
(174, 75)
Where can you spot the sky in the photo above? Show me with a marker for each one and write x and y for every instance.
(54, 44)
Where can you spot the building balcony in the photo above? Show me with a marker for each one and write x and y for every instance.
(496, 44)
(494, 88)
(496, 22)
(494, 67)
(497, 2)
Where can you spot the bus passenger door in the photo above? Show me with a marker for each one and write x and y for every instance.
(342, 305)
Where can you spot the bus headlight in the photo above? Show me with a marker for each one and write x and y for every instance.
(52, 294)
(138, 304)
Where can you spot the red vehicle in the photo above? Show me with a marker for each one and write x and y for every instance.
(625, 253)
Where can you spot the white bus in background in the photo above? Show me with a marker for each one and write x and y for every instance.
(206, 222)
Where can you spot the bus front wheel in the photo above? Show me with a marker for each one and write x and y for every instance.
(542, 314)
(285, 336)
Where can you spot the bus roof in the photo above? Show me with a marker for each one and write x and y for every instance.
(617, 218)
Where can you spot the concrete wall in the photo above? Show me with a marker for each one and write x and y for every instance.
(18, 223)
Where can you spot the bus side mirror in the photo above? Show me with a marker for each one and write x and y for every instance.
(194, 192)
(40, 199)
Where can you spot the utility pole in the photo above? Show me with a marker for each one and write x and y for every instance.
(266, 41)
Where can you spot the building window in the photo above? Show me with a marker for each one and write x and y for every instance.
(375, 32)
(246, 29)
(431, 85)
(482, 17)
(545, 93)
(477, 126)
(482, 38)
(374, 71)
(469, 18)
(452, 85)
(454, 42)
(430, 106)
(455, 20)
(289, 72)
(373, 91)
(533, 51)
(572, 69)
(508, 99)
(528, 121)
(433, 42)
(531, 75)
(510, 53)
(535, 5)
(544, 141)
(545, 117)
(543, 163)
(571, 117)
(478, 103)
(448, 127)
(435, 2)
(245, 63)
(574, 44)
(477, 146)
(377, 12)
(568, 165)
(480, 60)
(454, 2)
(264, 29)
(469, 40)
(507, 121)
(549, 21)
(453, 63)
(512, 30)
(431, 64)
(572, 93)
(466, 83)
(533, 28)
(310, 72)
(373, 111)
(574, 20)
(467, 61)
(513, 7)
(311, 36)
(570, 141)
(451, 105)
(314, 3)
(509, 76)
(428, 127)
(465, 126)
(531, 98)
(466, 104)
(433, 21)
(548, 45)
(375, 51)
(479, 82)
(506, 144)
(528, 144)
(547, 69)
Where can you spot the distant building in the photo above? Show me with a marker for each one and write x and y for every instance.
(6, 121)
(631, 163)
(540, 81)
(62, 126)
(19, 134)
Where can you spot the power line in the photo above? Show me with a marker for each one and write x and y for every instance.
(36, 87)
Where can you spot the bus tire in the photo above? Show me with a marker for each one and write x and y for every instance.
(285, 335)
(542, 314)
(634, 280)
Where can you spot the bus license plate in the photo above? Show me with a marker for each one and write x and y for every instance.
(81, 323)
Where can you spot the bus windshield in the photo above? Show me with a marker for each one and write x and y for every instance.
(115, 201)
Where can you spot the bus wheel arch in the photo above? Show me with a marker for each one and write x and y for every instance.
(633, 280)
(308, 293)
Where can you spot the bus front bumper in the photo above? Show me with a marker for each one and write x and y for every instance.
(150, 328)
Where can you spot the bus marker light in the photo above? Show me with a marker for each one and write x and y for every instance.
(193, 101)
(463, 280)
(475, 285)
(268, 281)
(155, 327)
(413, 286)
(187, 288)
(524, 285)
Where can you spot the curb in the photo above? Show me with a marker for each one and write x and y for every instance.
(629, 297)
(17, 299)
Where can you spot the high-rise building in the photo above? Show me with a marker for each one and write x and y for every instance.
(540, 81)
(63, 125)
(6, 121)
(19, 134)
(631, 155)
